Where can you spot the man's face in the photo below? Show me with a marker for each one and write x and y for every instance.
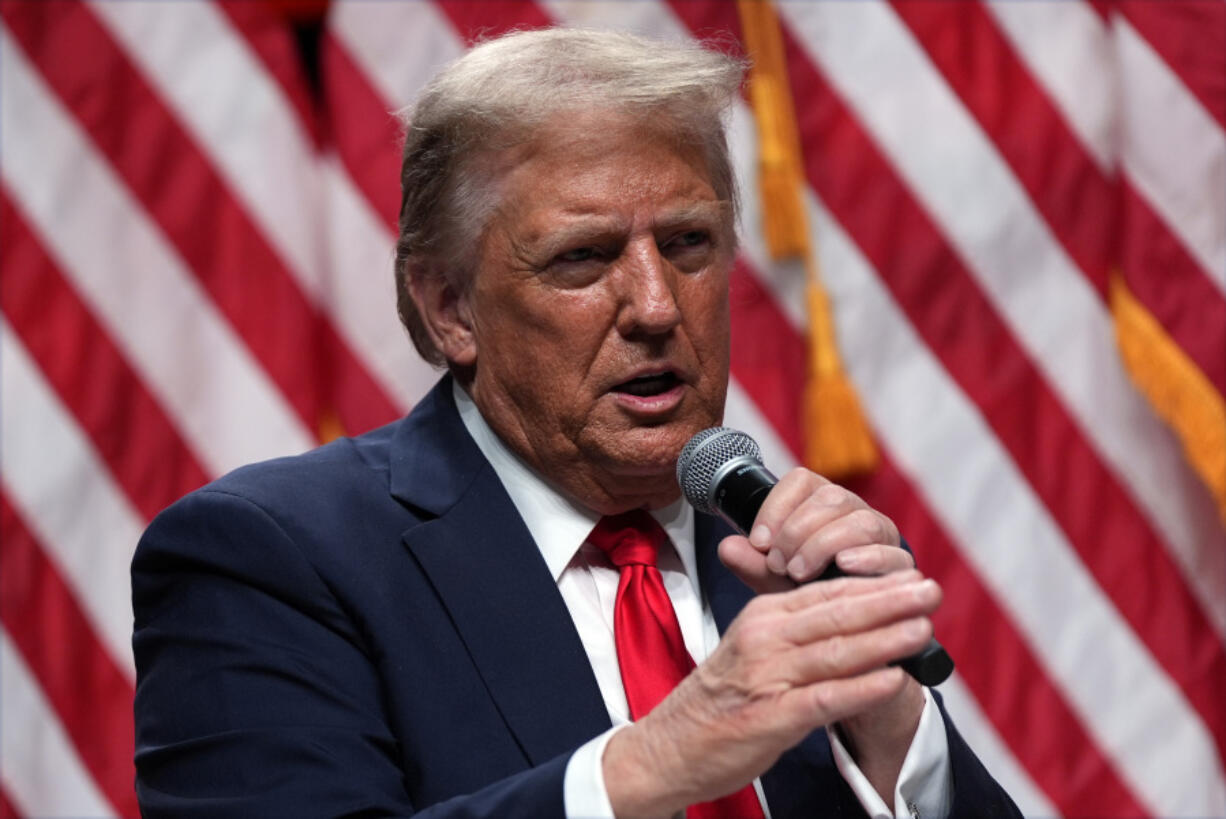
(598, 315)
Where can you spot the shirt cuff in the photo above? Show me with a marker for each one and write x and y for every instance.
(925, 786)
(583, 791)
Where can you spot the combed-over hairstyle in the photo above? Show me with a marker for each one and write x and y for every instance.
(497, 93)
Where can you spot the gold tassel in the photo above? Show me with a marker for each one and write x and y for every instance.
(1176, 388)
(330, 426)
(779, 169)
(838, 442)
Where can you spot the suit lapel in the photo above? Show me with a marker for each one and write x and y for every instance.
(725, 593)
(490, 576)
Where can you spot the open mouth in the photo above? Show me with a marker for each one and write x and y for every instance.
(649, 385)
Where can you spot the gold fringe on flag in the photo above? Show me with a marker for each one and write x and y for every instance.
(838, 442)
(1176, 388)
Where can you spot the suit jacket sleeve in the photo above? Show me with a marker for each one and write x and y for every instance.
(287, 719)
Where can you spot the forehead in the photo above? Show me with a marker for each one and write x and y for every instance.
(605, 166)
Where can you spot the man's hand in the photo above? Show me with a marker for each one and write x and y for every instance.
(805, 523)
(788, 664)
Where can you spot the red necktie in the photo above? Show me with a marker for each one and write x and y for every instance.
(650, 648)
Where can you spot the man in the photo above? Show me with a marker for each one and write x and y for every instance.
(422, 618)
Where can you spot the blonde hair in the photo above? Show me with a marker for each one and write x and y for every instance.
(499, 92)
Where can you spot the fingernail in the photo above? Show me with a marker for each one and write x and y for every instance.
(797, 568)
(849, 560)
(775, 562)
(760, 536)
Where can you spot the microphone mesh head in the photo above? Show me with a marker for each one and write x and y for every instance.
(702, 457)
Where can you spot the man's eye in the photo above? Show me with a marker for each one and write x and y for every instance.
(579, 254)
(691, 238)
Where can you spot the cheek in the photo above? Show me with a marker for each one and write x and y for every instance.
(708, 316)
(548, 339)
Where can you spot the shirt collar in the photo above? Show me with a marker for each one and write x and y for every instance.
(557, 524)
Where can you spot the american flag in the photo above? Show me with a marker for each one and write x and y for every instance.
(196, 242)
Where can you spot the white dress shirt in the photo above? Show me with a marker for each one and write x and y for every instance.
(588, 583)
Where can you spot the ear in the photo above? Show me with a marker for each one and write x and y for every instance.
(446, 315)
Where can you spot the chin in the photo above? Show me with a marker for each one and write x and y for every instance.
(646, 451)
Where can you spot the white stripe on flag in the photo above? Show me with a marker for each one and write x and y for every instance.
(1173, 150)
(1069, 51)
(121, 265)
(399, 46)
(650, 19)
(41, 772)
(361, 256)
(51, 466)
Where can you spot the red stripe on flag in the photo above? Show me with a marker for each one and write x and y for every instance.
(92, 697)
(1172, 286)
(367, 136)
(195, 208)
(768, 357)
(1079, 203)
(1102, 8)
(939, 295)
(475, 22)
(998, 665)
(124, 421)
(7, 811)
(1190, 36)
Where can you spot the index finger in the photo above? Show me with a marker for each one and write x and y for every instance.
(791, 491)
(812, 594)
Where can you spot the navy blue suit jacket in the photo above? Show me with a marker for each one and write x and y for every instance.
(369, 629)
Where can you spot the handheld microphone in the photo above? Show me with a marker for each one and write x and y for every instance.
(721, 472)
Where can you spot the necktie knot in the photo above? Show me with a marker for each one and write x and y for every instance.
(629, 539)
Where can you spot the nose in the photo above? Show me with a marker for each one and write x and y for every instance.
(648, 298)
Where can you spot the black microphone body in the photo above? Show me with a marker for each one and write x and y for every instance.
(733, 482)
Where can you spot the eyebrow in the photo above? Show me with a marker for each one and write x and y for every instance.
(709, 211)
(591, 228)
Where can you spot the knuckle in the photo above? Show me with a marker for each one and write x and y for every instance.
(801, 523)
(837, 617)
(797, 473)
(832, 494)
(895, 538)
(756, 607)
(823, 699)
(871, 525)
(836, 650)
(750, 636)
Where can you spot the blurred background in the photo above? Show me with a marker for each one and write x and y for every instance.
(1018, 210)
